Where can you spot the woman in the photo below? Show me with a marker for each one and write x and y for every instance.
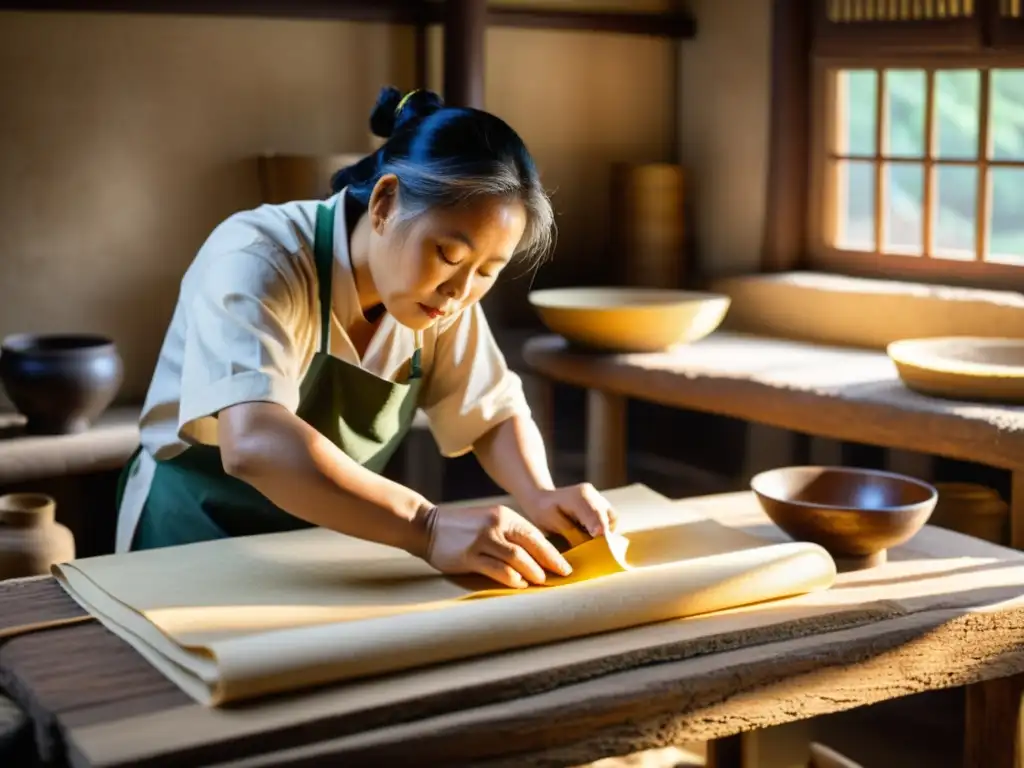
(306, 335)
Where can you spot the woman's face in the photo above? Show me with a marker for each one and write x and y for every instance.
(443, 260)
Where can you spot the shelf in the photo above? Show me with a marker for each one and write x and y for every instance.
(106, 446)
(669, 25)
(839, 393)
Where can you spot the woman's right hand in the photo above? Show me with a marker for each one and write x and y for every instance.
(494, 541)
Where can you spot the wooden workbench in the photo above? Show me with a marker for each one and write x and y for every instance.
(830, 392)
(947, 610)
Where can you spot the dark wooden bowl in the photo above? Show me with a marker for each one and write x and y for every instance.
(855, 514)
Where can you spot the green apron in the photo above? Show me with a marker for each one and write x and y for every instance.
(192, 499)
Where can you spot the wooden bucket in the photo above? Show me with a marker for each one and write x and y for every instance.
(973, 509)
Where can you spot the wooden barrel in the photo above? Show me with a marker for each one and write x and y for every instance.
(973, 509)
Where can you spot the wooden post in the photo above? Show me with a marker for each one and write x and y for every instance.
(726, 752)
(421, 56)
(606, 439)
(1017, 509)
(991, 722)
(790, 119)
(465, 30)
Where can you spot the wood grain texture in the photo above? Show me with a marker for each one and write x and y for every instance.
(1017, 509)
(465, 33)
(832, 392)
(946, 610)
(697, 699)
(991, 727)
(394, 11)
(606, 440)
(726, 753)
(785, 221)
(674, 24)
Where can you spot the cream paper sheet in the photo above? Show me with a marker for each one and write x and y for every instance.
(240, 618)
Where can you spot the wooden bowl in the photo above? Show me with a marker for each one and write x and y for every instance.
(962, 367)
(629, 319)
(855, 514)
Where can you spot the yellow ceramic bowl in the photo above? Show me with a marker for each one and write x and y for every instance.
(962, 367)
(629, 319)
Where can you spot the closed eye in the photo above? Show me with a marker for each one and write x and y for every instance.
(445, 259)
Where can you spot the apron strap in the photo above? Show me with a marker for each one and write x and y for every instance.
(323, 254)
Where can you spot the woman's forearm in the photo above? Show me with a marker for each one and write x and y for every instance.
(513, 455)
(303, 473)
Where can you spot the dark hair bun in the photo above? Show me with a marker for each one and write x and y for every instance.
(386, 118)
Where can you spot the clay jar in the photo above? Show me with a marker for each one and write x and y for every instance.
(31, 539)
(61, 383)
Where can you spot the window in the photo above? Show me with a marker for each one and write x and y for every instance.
(924, 164)
(897, 147)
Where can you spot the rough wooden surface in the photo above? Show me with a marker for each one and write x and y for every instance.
(833, 392)
(946, 611)
(697, 699)
(29, 457)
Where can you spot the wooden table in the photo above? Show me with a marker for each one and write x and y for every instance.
(830, 392)
(946, 610)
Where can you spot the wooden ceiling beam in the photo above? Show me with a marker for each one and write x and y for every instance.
(674, 24)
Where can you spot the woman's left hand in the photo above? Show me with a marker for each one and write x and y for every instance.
(570, 511)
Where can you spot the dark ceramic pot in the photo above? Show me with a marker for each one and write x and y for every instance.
(61, 382)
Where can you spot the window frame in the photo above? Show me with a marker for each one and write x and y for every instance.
(821, 200)
(804, 51)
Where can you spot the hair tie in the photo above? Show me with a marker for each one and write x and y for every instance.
(405, 99)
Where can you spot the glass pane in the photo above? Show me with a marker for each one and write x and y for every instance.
(957, 94)
(1006, 226)
(904, 208)
(904, 97)
(1006, 123)
(956, 208)
(855, 205)
(857, 90)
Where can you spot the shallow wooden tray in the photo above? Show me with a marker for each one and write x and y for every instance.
(962, 367)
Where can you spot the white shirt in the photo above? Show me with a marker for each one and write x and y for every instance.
(247, 325)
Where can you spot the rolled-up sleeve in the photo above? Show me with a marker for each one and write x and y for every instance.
(240, 345)
(469, 388)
